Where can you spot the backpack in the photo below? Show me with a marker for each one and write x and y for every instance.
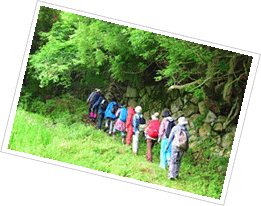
(142, 123)
(104, 104)
(169, 128)
(182, 139)
(123, 114)
(154, 128)
(114, 109)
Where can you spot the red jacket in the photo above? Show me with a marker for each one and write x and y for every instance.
(131, 112)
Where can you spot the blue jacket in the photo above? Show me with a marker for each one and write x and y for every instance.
(97, 105)
(173, 132)
(96, 97)
(135, 123)
(108, 111)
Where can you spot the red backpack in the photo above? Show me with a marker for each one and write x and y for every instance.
(154, 128)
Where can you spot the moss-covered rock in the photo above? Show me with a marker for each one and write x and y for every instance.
(205, 131)
(190, 109)
(131, 92)
(227, 140)
(202, 107)
(177, 105)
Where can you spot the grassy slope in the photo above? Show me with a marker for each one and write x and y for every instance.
(84, 146)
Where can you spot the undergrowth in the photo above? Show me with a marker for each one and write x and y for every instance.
(54, 130)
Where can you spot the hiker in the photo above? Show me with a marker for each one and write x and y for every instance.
(94, 108)
(151, 132)
(101, 104)
(110, 115)
(136, 122)
(90, 100)
(129, 126)
(164, 131)
(120, 123)
(178, 148)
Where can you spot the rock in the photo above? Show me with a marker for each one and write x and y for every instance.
(132, 102)
(186, 98)
(149, 89)
(212, 105)
(142, 92)
(177, 105)
(221, 119)
(232, 129)
(227, 140)
(217, 139)
(145, 99)
(194, 100)
(131, 92)
(204, 131)
(190, 109)
(192, 119)
(174, 94)
(210, 118)
(202, 107)
(218, 127)
(215, 151)
(227, 154)
(177, 115)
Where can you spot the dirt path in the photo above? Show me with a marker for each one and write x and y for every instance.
(88, 121)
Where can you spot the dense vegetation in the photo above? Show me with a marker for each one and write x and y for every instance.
(57, 131)
(73, 54)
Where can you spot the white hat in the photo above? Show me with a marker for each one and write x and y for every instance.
(182, 120)
(138, 109)
(155, 116)
(98, 90)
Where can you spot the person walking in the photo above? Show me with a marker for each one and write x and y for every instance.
(178, 148)
(136, 132)
(102, 104)
(164, 131)
(151, 132)
(110, 115)
(129, 127)
(95, 105)
(120, 123)
(90, 100)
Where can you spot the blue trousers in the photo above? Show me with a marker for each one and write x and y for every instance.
(164, 156)
(101, 116)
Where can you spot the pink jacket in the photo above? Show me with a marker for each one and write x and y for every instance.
(163, 128)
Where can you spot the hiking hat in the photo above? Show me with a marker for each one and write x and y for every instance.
(166, 113)
(120, 105)
(182, 120)
(138, 109)
(98, 90)
(155, 116)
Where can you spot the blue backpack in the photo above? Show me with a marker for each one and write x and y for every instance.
(123, 114)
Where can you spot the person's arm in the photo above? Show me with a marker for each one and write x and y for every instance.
(171, 137)
(161, 130)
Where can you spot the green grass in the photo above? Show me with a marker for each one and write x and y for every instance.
(82, 145)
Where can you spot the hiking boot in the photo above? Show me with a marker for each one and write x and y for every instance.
(105, 129)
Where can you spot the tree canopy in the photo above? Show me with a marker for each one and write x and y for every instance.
(89, 51)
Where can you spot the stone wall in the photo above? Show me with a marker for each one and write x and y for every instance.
(203, 123)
